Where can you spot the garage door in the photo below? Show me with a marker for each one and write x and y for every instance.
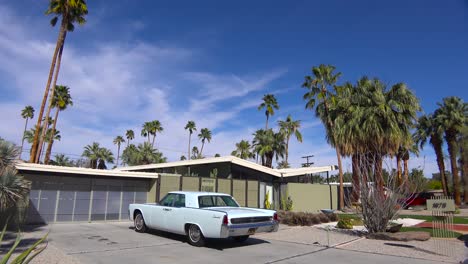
(65, 198)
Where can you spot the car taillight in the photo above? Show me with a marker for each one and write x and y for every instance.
(275, 217)
(225, 220)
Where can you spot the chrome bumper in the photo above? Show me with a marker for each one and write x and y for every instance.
(248, 229)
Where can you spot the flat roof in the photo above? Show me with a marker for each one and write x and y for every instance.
(33, 167)
(235, 160)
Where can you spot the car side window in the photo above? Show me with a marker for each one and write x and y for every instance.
(179, 200)
(205, 201)
(168, 200)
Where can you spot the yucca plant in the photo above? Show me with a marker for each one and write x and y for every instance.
(25, 256)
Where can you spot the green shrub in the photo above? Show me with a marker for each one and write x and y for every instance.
(267, 203)
(345, 224)
(302, 218)
(287, 204)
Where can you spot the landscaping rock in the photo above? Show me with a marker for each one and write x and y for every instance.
(401, 236)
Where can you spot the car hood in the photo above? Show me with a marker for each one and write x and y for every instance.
(235, 212)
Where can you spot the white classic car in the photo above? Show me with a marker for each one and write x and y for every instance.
(200, 215)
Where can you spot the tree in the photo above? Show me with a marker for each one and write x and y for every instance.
(191, 126)
(71, 11)
(217, 155)
(195, 153)
(319, 84)
(267, 145)
(430, 128)
(156, 127)
(145, 130)
(62, 99)
(243, 150)
(142, 155)
(118, 140)
(13, 187)
(452, 114)
(27, 113)
(183, 157)
(288, 128)
(130, 136)
(269, 103)
(98, 156)
(62, 160)
(205, 135)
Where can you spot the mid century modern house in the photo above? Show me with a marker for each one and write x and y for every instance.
(80, 194)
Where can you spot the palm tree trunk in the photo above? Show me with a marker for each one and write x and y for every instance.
(154, 137)
(405, 172)
(287, 149)
(35, 143)
(22, 139)
(356, 184)
(51, 139)
(201, 150)
(452, 149)
(378, 173)
(118, 154)
(398, 162)
(266, 124)
(440, 163)
(189, 139)
(340, 170)
(51, 97)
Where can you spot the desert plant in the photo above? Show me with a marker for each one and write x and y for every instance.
(345, 224)
(287, 203)
(25, 256)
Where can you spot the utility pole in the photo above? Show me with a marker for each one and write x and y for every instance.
(307, 164)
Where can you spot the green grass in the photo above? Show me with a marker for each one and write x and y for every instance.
(428, 218)
(450, 234)
(357, 220)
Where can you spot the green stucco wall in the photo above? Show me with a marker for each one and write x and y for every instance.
(312, 197)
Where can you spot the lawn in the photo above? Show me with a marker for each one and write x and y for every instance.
(428, 218)
(450, 234)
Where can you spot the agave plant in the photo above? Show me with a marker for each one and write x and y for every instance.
(25, 256)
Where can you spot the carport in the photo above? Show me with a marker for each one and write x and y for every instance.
(64, 194)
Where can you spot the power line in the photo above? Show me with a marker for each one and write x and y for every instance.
(307, 163)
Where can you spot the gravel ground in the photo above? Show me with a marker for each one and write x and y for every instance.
(430, 250)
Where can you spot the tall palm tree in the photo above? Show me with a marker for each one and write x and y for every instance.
(130, 136)
(319, 89)
(243, 150)
(191, 126)
(205, 135)
(71, 11)
(145, 130)
(27, 113)
(288, 128)
(156, 127)
(269, 103)
(62, 160)
(62, 99)
(118, 140)
(268, 145)
(452, 113)
(429, 128)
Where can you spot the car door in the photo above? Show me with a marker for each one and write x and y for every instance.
(174, 215)
(158, 212)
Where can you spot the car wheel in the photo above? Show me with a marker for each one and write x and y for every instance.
(195, 236)
(241, 238)
(139, 223)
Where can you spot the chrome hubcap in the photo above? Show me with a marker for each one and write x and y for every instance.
(139, 222)
(194, 233)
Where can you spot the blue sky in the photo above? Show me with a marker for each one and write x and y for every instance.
(212, 61)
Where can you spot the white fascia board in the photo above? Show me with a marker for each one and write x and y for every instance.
(83, 171)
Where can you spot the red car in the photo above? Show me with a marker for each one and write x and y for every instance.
(416, 199)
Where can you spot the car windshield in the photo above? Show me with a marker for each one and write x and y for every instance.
(216, 201)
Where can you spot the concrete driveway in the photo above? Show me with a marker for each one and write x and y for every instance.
(118, 243)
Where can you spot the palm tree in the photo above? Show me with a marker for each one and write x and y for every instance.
(62, 160)
(145, 131)
(323, 78)
(62, 99)
(267, 145)
(196, 153)
(13, 187)
(130, 136)
(269, 103)
(141, 155)
(429, 128)
(452, 113)
(191, 127)
(156, 127)
(118, 140)
(29, 135)
(27, 113)
(243, 150)
(289, 127)
(205, 135)
(71, 11)
(98, 156)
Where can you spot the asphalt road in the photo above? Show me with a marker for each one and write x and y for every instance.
(119, 243)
